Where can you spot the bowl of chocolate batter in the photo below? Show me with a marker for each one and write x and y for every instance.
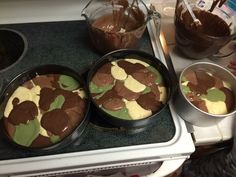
(44, 108)
(116, 24)
(206, 94)
(129, 88)
(216, 29)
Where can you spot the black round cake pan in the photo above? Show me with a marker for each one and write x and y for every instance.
(101, 99)
(44, 108)
(13, 47)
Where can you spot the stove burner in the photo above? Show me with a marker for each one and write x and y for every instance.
(13, 46)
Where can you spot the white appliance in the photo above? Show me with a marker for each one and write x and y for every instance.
(168, 155)
(223, 130)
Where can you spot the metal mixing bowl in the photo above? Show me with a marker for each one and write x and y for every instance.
(190, 112)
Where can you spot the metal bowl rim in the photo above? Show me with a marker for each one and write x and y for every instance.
(185, 98)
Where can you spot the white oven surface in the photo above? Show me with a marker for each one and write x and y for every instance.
(23, 11)
(202, 135)
(177, 150)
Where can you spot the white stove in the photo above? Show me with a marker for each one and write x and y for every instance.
(221, 131)
(168, 155)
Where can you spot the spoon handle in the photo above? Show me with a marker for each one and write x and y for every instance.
(195, 20)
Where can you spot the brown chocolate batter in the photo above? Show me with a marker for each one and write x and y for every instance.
(60, 111)
(71, 99)
(202, 77)
(124, 92)
(44, 81)
(118, 29)
(103, 76)
(119, 95)
(218, 82)
(46, 98)
(113, 104)
(199, 82)
(10, 128)
(148, 101)
(155, 90)
(191, 76)
(75, 113)
(212, 25)
(145, 77)
(50, 121)
(200, 104)
(201, 41)
(117, 22)
(130, 68)
(41, 141)
(23, 112)
(229, 98)
(108, 95)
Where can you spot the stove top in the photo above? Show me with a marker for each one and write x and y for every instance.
(102, 146)
(67, 43)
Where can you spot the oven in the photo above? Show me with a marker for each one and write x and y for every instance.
(56, 33)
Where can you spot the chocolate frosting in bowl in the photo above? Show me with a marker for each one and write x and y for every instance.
(118, 29)
(200, 41)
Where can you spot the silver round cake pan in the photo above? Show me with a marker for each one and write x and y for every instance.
(191, 113)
